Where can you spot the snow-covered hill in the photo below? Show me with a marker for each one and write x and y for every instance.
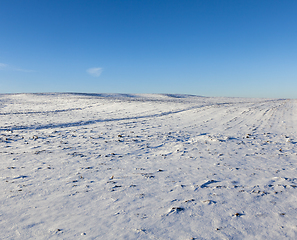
(147, 166)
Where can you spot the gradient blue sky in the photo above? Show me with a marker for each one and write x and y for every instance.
(243, 48)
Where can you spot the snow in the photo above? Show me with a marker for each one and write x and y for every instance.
(147, 166)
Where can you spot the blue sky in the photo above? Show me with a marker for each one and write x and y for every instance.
(211, 48)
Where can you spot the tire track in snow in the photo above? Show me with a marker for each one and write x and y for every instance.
(40, 112)
(89, 122)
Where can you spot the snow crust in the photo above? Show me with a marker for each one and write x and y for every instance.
(147, 166)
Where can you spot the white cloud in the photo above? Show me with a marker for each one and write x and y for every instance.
(4, 66)
(22, 70)
(95, 72)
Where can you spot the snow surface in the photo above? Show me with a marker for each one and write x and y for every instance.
(145, 166)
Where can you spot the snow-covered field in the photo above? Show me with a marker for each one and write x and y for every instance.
(112, 166)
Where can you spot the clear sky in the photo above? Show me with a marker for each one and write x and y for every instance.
(244, 48)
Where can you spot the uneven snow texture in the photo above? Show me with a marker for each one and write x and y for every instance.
(112, 166)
